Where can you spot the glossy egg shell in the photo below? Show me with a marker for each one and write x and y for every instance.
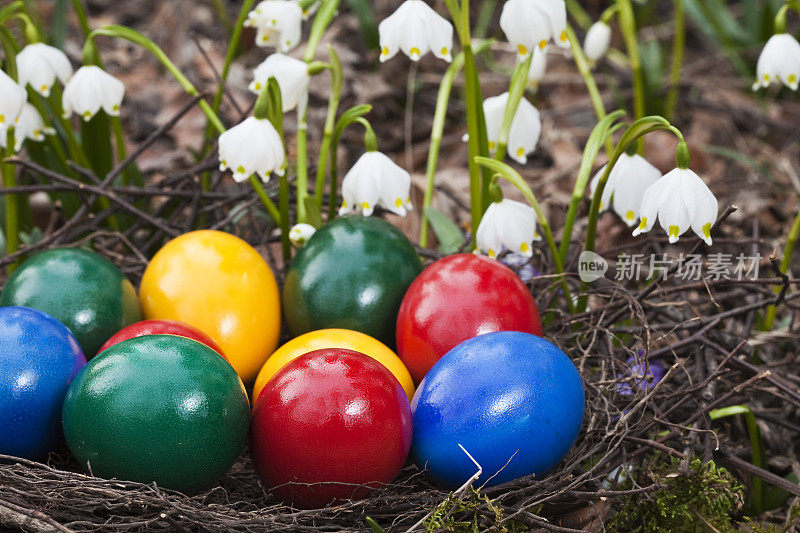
(161, 327)
(334, 417)
(334, 338)
(81, 289)
(39, 357)
(351, 274)
(219, 284)
(513, 400)
(157, 408)
(455, 299)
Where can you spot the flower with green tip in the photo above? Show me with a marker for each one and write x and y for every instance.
(415, 28)
(779, 62)
(597, 40)
(28, 125)
(252, 147)
(530, 24)
(627, 182)
(376, 180)
(90, 90)
(12, 98)
(278, 24)
(680, 200)
(292, 76)
(508, 224)
(40, 65)
(525, 128)
(300, 233)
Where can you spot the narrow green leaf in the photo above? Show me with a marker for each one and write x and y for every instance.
(450, 237)
(366, 19)
(313, 211)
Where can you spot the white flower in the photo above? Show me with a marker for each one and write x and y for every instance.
(779, 61)
(626, 184)
(89, 90)
(376, 180)
(307, 12)
(300, 233)
(507, 223)
(415, 28)
(538, 67)
(531, 23)
(525, 128)
(40, 65)
(251, 147)
(12, 96)
(278, 24)
(292, 76)
(28, 125)
(597, 40)
(681, 200)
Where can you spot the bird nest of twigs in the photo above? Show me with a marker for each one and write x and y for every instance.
(698, 329)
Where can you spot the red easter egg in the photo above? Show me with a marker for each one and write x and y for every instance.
(162, 327)
(457, 298)
(333, 424)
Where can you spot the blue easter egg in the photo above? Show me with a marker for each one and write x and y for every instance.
(38, 359)
(513, 400)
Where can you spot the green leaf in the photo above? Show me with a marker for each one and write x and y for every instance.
(374, 526)
(450, 237)
(96, 142)
(313, 212)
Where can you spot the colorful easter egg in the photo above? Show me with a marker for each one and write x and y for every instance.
(333, 424)
(161, 327)
(455, 299)
(81, 289)
(513, 400)
(220, 285)
(157, 408)
(334, 338)
(352, 274)
(39, 357)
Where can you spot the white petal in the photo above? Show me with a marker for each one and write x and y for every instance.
(538, 66)
(525, 25)
(90, 89)
(292, 76)
(251, 147)
(415, 28)
(652, 200)
(556, 16)
(597, 40)
(278, 24)
(525, 130)
(701, 205)
(487, 239)
(12, 98)
(633, 176)
(39, 65)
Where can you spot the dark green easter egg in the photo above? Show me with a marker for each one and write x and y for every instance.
(81, 289)
(157, 408)
(351, 274)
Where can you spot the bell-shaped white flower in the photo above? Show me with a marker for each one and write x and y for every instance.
(509, 224)
(779, 62)
(12, 97)
(532, 23)
(525, 128)
(597, 40)
(680, 200)
(538, 67)
(252, 147)
(628, 180)
(300, 233)
(292, 76)
(376, 180)
(415, 28)
(28, 125)
(278, 24)
(40, 65)
(92, 89)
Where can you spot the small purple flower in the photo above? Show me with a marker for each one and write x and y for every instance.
(520, 264)
(642, 373)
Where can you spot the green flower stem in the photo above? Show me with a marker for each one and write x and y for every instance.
(222, 13)
(519, 80)
(585, 70)
(83, 21)
(12, 206)
(302, 168)
(514, 177)
(780, 16)
(335, 67)
(600, 134)
(678, 43)
(10, 10)
(636, 131)
(627, 22)
(268, 204)
(437, 130)
(119, 139)
(576, 11)
(786, 261)
(73, 147)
